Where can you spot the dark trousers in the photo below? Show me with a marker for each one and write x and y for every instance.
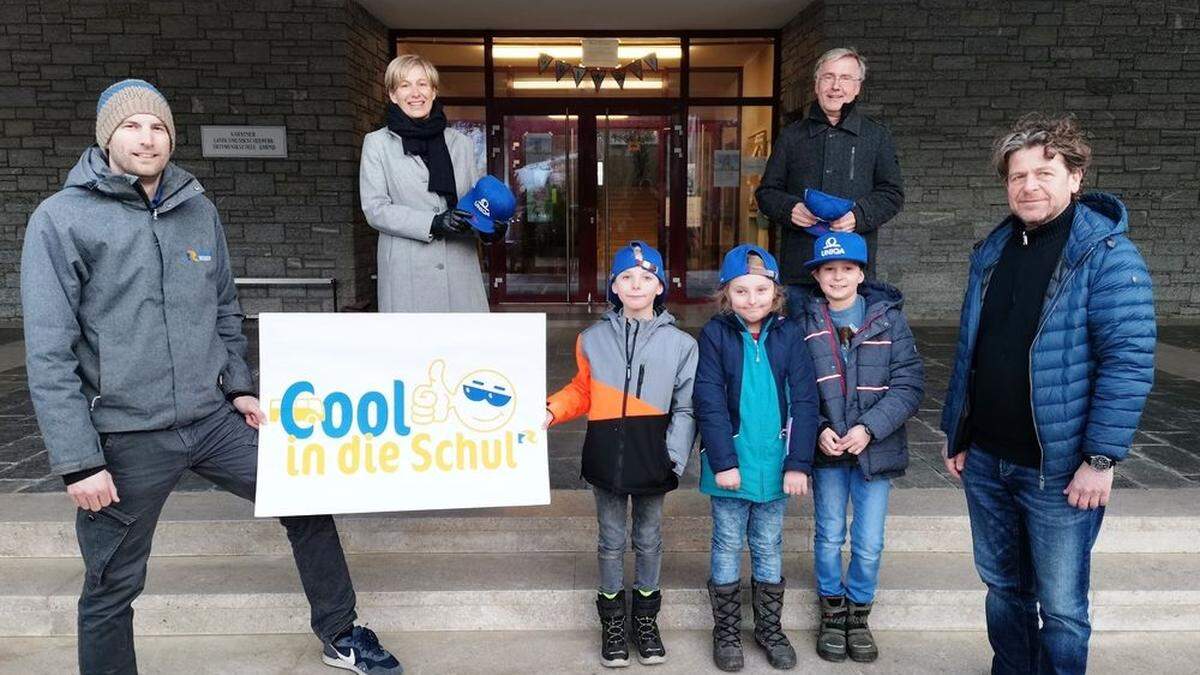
(115, 542)
(1033, 551)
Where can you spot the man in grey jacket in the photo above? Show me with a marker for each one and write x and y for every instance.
(137, 371)
(835, 149)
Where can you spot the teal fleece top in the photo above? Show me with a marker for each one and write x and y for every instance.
(760, 442)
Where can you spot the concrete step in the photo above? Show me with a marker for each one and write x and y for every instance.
(216, 523)
(574, 653)
(555, 591)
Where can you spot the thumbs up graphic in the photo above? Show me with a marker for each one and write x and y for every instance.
(431, 400)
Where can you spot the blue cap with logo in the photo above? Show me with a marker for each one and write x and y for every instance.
(737, 263)
(643, 256)
(838, 246)
(826, 207)
(489, 201)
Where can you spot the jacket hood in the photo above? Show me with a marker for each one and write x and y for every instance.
(92, 172)
(1098, 215)
(661, 318)
(874, 292)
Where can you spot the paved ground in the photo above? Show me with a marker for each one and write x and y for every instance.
(1166, 451)
(559, 653)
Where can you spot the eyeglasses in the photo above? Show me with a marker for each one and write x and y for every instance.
(476, 394)
(829, 78)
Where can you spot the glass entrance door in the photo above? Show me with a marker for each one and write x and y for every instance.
(587, 182)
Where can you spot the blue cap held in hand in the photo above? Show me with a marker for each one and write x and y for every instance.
(826, 207)
(489, 201)
(737, 263)
(643, 256)
(838, 246)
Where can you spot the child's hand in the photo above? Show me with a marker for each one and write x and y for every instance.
(795, 483)
(729, 479)
(828, 442)
(549, 420)
(855, 440)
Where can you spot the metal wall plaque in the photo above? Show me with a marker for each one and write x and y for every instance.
(243, 141)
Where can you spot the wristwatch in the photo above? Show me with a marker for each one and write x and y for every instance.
(1100, 462)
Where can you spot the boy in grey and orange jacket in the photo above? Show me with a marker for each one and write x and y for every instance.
(635, 377)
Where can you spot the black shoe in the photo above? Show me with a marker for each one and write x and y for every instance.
(726, 603)
(768, 627)
(859, 641)
(646, 637)
(614, 648)
(831, 639)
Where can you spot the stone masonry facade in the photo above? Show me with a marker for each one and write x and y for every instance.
(948, 76)
(314, 66)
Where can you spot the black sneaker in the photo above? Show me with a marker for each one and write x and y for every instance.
(614, 647)
(645, 628)
(358, 650)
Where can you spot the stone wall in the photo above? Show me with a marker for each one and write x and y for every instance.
(309, 65)
(947, 77)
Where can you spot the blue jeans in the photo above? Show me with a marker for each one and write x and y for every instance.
(612, 510)
(833, 488)
(736, 520)
(1033, 551)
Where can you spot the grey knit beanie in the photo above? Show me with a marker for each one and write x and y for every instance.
(125, 99)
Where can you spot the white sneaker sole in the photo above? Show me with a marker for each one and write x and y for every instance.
(652, 660)
(614, 663)
(338, 663)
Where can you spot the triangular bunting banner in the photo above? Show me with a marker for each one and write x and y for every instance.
(578, 72)
(598, 78)
(635, 68)
(618, 76)
(560, 69)
(651, 60)
(544, 61)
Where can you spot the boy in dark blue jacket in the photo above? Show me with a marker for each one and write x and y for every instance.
(756, 405)
(871, 381)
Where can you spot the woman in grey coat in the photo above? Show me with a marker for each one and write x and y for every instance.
(413, 172)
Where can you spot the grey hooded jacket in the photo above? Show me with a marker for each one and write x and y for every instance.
(131, 316)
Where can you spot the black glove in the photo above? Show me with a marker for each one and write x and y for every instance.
(501, 229)
(451, 224)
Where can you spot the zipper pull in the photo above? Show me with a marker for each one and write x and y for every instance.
(1024, 238)
(154, 214)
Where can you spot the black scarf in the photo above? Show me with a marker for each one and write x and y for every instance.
(426, 139)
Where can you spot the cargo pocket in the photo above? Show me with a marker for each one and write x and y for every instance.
(100, 534)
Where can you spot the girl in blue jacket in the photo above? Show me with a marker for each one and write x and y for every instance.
(871, 381)
(756, 405)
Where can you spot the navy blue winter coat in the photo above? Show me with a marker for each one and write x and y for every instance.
(716, 396)
(1092, 358)
(879, 384)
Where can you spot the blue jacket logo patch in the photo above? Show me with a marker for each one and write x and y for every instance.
(199, 256)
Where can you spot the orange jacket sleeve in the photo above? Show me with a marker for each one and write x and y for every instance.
(575, 398)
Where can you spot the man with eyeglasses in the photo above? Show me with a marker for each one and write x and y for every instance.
(835, 149)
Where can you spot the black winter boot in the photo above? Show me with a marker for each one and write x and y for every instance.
(646, 637)
(831, 640)
(859, 641)
(768, 630)
(614, 648)
(727, 625)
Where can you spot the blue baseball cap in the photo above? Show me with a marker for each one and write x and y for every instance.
(489, 201)
(838, 246)
(826, 207)
(737, 263)
(641, 255)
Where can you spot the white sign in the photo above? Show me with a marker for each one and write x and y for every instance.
(726, 168)
(600, 52)
(397, 412)
(243, 141)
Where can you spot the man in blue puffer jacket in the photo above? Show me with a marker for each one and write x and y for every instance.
(1055, 360)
